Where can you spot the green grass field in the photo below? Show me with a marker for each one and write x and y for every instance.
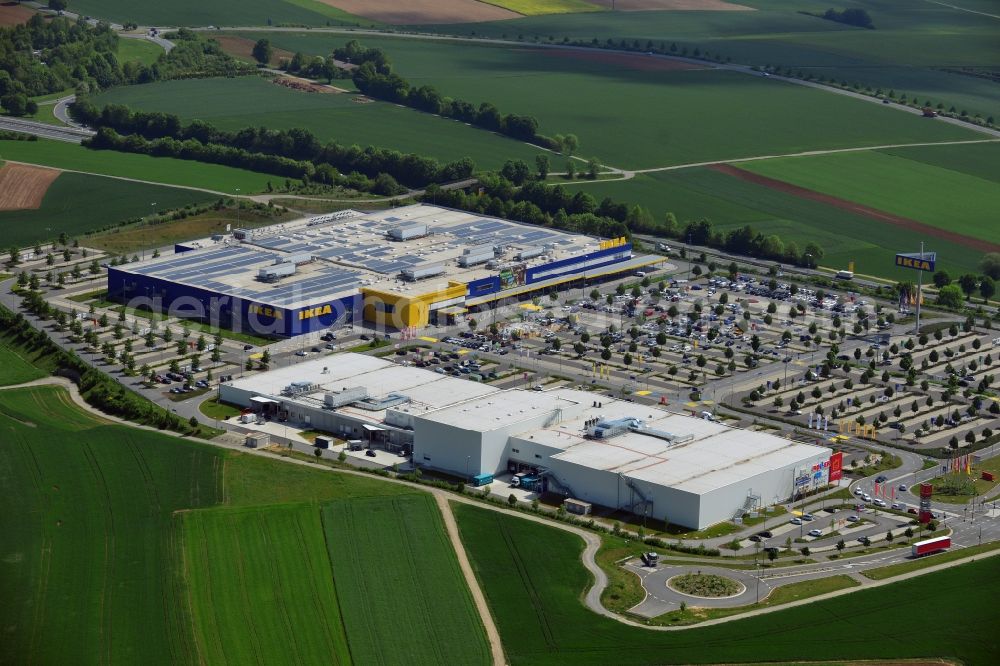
(908, 51)
(88, 551)
(218, 12)
(104, 560)
(14, 369)
(241, 102)
(396, 574)
(392, 569)
(728, 202)
(76, 203)
(261, 586)
(938, 196)
(138, 50)
(632, 118)
(164, 170)
(533, 581)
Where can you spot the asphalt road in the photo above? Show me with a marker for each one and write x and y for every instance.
(67, 134)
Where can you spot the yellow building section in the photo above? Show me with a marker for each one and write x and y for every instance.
(395, 310)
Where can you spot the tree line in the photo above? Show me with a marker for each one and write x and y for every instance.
(857, 17)
(293, 153)
(528, 199)
(374, 76)
(43, 56)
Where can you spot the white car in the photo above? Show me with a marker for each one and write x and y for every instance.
(815, 533)
(796, 521)
(858, 492)
(866, 497)
(879, 502)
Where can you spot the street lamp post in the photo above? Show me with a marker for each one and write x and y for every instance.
(142, 240)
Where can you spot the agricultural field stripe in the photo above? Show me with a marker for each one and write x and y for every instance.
(867, 211)
(125, 178)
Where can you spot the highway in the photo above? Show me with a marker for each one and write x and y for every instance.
(67, 134)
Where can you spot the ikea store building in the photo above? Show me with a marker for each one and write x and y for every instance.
(397, 269)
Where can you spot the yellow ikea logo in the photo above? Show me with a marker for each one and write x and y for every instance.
(613, 242)
(912, 262)
(273, 313)
(309, 313)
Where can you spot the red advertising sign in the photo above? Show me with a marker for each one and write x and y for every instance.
(836, 466)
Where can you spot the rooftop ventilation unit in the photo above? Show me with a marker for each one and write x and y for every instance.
(407, 232)
(529, 253)
(275, 272)
(344, 397)
(608, 428)
(378, 404)
(298, 388)
(422, 272)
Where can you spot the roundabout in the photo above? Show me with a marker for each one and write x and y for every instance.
(706, 586)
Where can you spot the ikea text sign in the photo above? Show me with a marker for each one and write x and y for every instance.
(917, 261)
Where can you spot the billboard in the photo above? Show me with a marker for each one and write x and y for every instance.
(512, 276)
(921, 261)
(836, 466)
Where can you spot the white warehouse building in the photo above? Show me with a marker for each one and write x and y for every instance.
(612, 453)
(618, 454)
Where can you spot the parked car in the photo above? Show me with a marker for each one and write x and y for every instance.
(247, 347)
(795, 521)
(880, 478)
(808, 516)
(852, 519)
(864, 541)
(301, 353)
(369, 453)
(815, 533)
(766, 534)
(897, 506)
(879, 502)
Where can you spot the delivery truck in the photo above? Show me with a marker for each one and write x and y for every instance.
(930, 546)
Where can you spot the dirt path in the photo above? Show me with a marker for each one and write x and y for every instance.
(492, 634)
(856, 208)
(812, 153)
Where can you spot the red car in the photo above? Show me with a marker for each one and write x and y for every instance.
(911, 510)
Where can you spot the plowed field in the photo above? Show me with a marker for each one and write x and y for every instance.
(14, 14)
(23, 187)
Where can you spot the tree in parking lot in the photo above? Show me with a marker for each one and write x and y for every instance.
(511, 499)
(265, 358)
(772, 554)
(968, 284)
(841, 545)
(249, 364)
(987, 288)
